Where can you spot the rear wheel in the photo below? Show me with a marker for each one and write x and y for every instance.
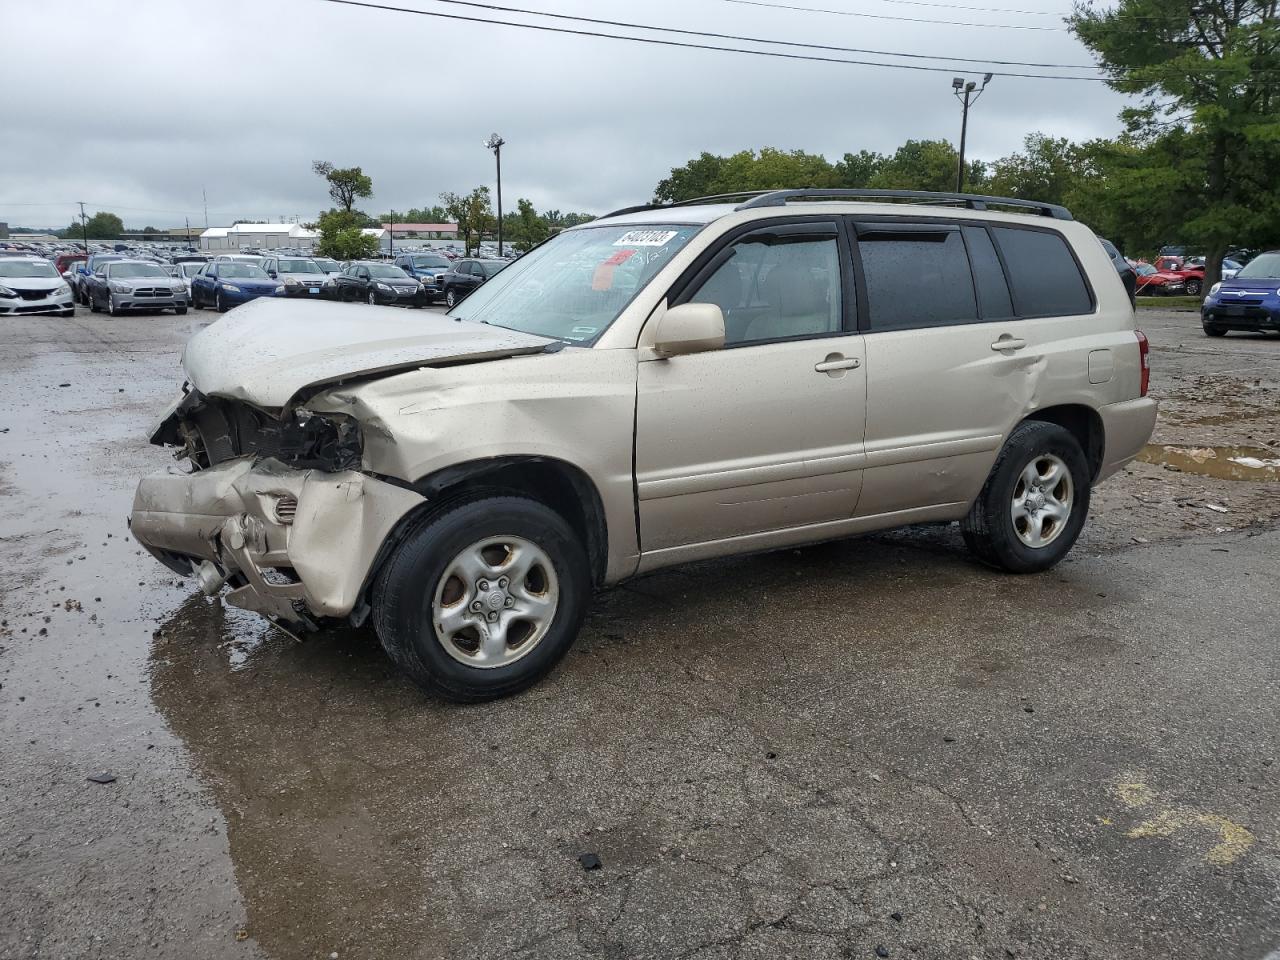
(1034, 503)
(483, 598)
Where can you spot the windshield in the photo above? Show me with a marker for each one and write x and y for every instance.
(1231, 265)
(1265, 265)
(190, 269)
(1144, 269)
(421, 262)
(245, 271)
(17, 268)
(326, 265)
(299, 266)
(117, 270)
(575, 285)
(387, 272)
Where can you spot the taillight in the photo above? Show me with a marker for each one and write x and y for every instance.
(1144, 358)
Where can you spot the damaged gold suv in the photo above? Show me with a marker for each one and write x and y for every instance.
(665, 384)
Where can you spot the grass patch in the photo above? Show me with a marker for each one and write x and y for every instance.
(1169, 303)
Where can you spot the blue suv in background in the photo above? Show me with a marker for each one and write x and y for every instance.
(1248, 301)
(224, 284)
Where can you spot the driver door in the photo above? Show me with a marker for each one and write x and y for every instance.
(737, 445)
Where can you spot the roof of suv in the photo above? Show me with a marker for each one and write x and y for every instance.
(703, 210)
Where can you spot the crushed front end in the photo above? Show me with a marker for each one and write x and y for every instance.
(275, 508)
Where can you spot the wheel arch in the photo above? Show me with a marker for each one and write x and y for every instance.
(557, 484)
(1083, 423)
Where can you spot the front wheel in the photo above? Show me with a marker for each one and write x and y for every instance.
(1034, 503)
(1194, 286)
(372, 299)
(218, 302)
(483, 598)
(1213, 331)
(111, 307)
(450, 298)
(180, 311)
(93, 305)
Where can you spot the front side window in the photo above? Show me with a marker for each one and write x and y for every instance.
(575, 285)
(917, 275)
(1043, 274)
(776, 286)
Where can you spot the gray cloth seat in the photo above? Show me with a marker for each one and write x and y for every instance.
(799, 304)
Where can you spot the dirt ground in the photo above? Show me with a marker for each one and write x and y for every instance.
(872, 748)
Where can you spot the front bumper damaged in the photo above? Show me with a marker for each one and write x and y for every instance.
(293, 545)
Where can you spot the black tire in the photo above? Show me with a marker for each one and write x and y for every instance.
(218, 303)
(989, 529)
(1213, 331)
(404, 593)
(111, 307)
(450, 298)
(67, 314)
(180, 311)
(372, 299)
(93, 305)
(1194, 286)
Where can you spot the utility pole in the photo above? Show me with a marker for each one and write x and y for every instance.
(188, 219)
(964, 92)
(495, 144)
(84, 228)
(205, 194)
(391, 235)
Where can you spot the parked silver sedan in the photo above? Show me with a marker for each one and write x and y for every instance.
(124, 285)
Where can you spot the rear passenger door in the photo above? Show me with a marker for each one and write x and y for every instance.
(961, 319)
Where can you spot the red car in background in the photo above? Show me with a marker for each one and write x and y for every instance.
(63, 261)
(1152, 281)
(1192, 274)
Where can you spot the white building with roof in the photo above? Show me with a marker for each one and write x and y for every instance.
(258, 236)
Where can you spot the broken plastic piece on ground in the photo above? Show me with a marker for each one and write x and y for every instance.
(103, 777)
(589, 861)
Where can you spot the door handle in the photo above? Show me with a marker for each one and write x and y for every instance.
(836, 362)
(1007, 342)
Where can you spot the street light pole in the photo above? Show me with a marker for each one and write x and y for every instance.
(84, 227)
(964, 92)
(495, 144)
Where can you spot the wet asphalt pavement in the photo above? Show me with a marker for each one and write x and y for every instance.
(862, 749)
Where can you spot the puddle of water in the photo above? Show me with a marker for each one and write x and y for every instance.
(1222, 463)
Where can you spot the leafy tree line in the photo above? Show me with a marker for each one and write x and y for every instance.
(1198, 161)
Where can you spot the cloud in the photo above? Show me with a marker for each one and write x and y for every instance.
(138, 106)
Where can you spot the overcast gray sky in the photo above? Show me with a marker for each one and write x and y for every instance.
(136, 105)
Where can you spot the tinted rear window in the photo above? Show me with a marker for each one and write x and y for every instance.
(1045, 278)
(916, 279)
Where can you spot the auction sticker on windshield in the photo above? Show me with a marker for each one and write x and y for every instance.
(646, 238)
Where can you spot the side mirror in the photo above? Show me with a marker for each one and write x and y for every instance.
(271, 274)
(690, 328)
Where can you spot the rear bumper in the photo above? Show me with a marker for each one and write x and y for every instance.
(1127, 427)
(294, 542)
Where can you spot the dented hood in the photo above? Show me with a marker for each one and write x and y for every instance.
(267, 350)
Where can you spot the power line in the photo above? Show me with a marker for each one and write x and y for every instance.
(687, 45)
(655, 41)
(962, 6)
(889, 16)
(780, 43)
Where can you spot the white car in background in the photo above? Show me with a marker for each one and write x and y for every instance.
(31, 285)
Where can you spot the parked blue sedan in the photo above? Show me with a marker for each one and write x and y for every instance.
(223, 284)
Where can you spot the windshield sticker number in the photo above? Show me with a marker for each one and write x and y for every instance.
(646, 238)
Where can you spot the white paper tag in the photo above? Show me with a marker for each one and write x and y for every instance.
(645, 238)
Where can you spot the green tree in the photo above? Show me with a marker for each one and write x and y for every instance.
(342, 238)
(101, 226)
(1048, 169)
(1208, 70)
(345, 183)
(926, 165)
(855, 171)
(747, 170)
(472, 213)
(434, 214)
(525, 227)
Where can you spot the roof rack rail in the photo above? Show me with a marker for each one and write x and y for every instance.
(973, 201)
(714, 198)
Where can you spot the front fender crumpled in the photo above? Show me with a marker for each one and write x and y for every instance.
(266, 521)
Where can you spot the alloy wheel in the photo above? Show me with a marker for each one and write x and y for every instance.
(1042, 501)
